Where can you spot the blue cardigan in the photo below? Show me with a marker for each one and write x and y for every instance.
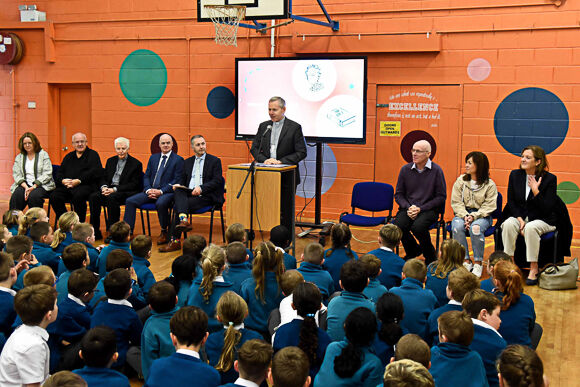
(124, 321)
(418, 304)
(155, 340)
(374, 290)
(487, 285)
(236, 273)
(319, 277)
(46, 255)
(182, 370)
(518, 321)
(137, 298)
(437, 285)
(370, 374)
(209, 307)
(391, 265)
(72, 321)
(289, 262)
(340, 307)
(456, 365)
(288, 335)
(433, 326)
(62, 286)
(105, 252)
(260, 310)
(93, 255)
(7, 313)
(333, 263)
(68, 240)
(215, 345)
(98, 377)
(489, 344)
(144, 275)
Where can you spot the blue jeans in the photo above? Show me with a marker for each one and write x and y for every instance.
(476, 232)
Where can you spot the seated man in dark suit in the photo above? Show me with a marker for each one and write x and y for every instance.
(203, 177)
(163, 170)
(122, 178)
(77, 177)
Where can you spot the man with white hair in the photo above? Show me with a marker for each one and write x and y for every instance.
(122, 178)
(420, 194)
(77, 177)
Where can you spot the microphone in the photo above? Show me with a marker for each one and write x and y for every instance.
(268, 128)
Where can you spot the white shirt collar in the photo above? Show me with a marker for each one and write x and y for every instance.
(120, 302)
(245, 383)
(200, 157)
(280, 249)
(386, 248)
(7, 290)
(484, 325)
(453, 302)
(428, 165)
(236, 327)
(168, 154)
(188, 352)
(36, 330)
(219, 278)
(75, 299)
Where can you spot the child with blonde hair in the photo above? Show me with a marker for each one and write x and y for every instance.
(10, 220)
(450, 258)
(5, 234)
(63, 235)
(27, 219)
(222, 346)
(206, 292)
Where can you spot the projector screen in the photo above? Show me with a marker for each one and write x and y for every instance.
(327, 96)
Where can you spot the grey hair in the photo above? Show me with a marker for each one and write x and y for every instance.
(81, 133)
(196, 137)
(122, 139)
(280, 101)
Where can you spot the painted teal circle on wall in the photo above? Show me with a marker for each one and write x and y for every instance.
(531, 116)
(143, 77)
(568, 192)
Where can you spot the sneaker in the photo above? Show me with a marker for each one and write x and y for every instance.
(477, 270)
(468, 265)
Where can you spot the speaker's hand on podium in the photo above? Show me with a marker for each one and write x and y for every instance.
(272, 161)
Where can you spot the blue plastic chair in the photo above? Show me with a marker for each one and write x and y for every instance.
(212, 210)
(372, 197)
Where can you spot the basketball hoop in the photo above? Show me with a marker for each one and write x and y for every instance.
(226, 20)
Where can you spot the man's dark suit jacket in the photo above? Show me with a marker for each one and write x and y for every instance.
(213, 180)
(291, 146)
(171, 174)
(130, 181)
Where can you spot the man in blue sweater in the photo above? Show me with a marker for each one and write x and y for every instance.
(420, 194)
(391, 264)
(312, 270)
(188, 333)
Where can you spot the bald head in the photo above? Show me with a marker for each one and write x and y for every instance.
(79, 141)
(165, 143)
(423, 145)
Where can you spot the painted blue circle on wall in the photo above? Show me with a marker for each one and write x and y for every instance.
(143, 77)
(531, 116)
(220, 102)
(307, 186)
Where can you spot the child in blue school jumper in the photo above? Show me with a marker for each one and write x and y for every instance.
(237, 270)
(5, 234)
(495, 257)
(184, 368)
(390, 313)
(519, 365)
(262, 292)
(303, 332)
(20, 247)
(155, 340)
(121, 259)
(280, 236)
(253, 364)
(352, 362)
(237, 233)
(118, 313)
(391, 264)
(518, 315)
(42, 236)
(74, 256)
(484, 309)
(312, 270)
(99, 352)
(10, 220)
(418, 302)
(32, 216)
(453, 363)
(374, 290)
(63, 235)
(85, 233)
(183, 269)
(339, 253)
(460, 283)
(413, 347)
(205, 293)
(141, 250)
(289, 368)
(222, 347)
(451, 258)
(353, 280)
(8, 277)
(119, 240)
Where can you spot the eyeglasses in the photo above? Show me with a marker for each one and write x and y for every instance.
(79, 142)
(418, 151)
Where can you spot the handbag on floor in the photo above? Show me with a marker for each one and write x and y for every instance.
(559, 276)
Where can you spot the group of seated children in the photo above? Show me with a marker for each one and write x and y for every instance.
(336, 320)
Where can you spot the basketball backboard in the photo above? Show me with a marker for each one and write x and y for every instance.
(255, 9)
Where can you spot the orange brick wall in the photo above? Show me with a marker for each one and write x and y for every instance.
(527, 43)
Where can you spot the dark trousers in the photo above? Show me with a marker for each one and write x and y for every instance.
(35, 198)
(113, 202)
(77, 196)
(417, 228)
(185, 203)
(162, 205)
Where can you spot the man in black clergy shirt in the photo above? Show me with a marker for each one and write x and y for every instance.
(77, 177)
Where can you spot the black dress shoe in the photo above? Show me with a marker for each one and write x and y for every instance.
(531, 282)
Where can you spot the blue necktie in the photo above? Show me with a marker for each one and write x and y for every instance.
(159, 172)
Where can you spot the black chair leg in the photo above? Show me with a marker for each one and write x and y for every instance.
(555, 246)
(142, 221)
(148, 222)
(223, 225)
(211, 225)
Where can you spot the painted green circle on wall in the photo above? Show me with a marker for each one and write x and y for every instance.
(143, 77)
(568, 192)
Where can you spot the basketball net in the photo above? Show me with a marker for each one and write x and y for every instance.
(226, 20)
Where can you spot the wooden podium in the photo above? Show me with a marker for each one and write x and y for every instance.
(273, 196)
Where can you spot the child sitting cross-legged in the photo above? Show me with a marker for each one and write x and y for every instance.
(280, 236)
(339, 253)
(63, 235)
(42, 235)
(391, 264)
(312, 270)
(119, 233)
(237, 233)
(237, 270)
(8, 277)
(141, 250)
(32, 216)
(20, 247)
(450, 259)
(85, 233)
(183, 269)
(374, 289)
(495, 257)
(253, 364)
(390, 313)
(74, 256)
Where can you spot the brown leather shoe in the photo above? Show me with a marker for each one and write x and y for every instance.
(163, 239)
(173, 245)
(183, 226)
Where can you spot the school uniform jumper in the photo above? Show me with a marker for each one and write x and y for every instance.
(7, 314)
(418, 304)
(489, 344)
(518, 321)
(437, 285)
(334, 261)
(433, 326)
(155, 340)
(182, 370)
(319, 277)
(195, 298)
(374, 290)
(487, 285)
(456, 365)
(46, 255)
(72, 321)
(391, 265)
(236, 273)
(289, 262)
(105, 252)
(93, 256)
(144, 275)
(98, 377)
(62, 286)
(340, 307)
(260, 310)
